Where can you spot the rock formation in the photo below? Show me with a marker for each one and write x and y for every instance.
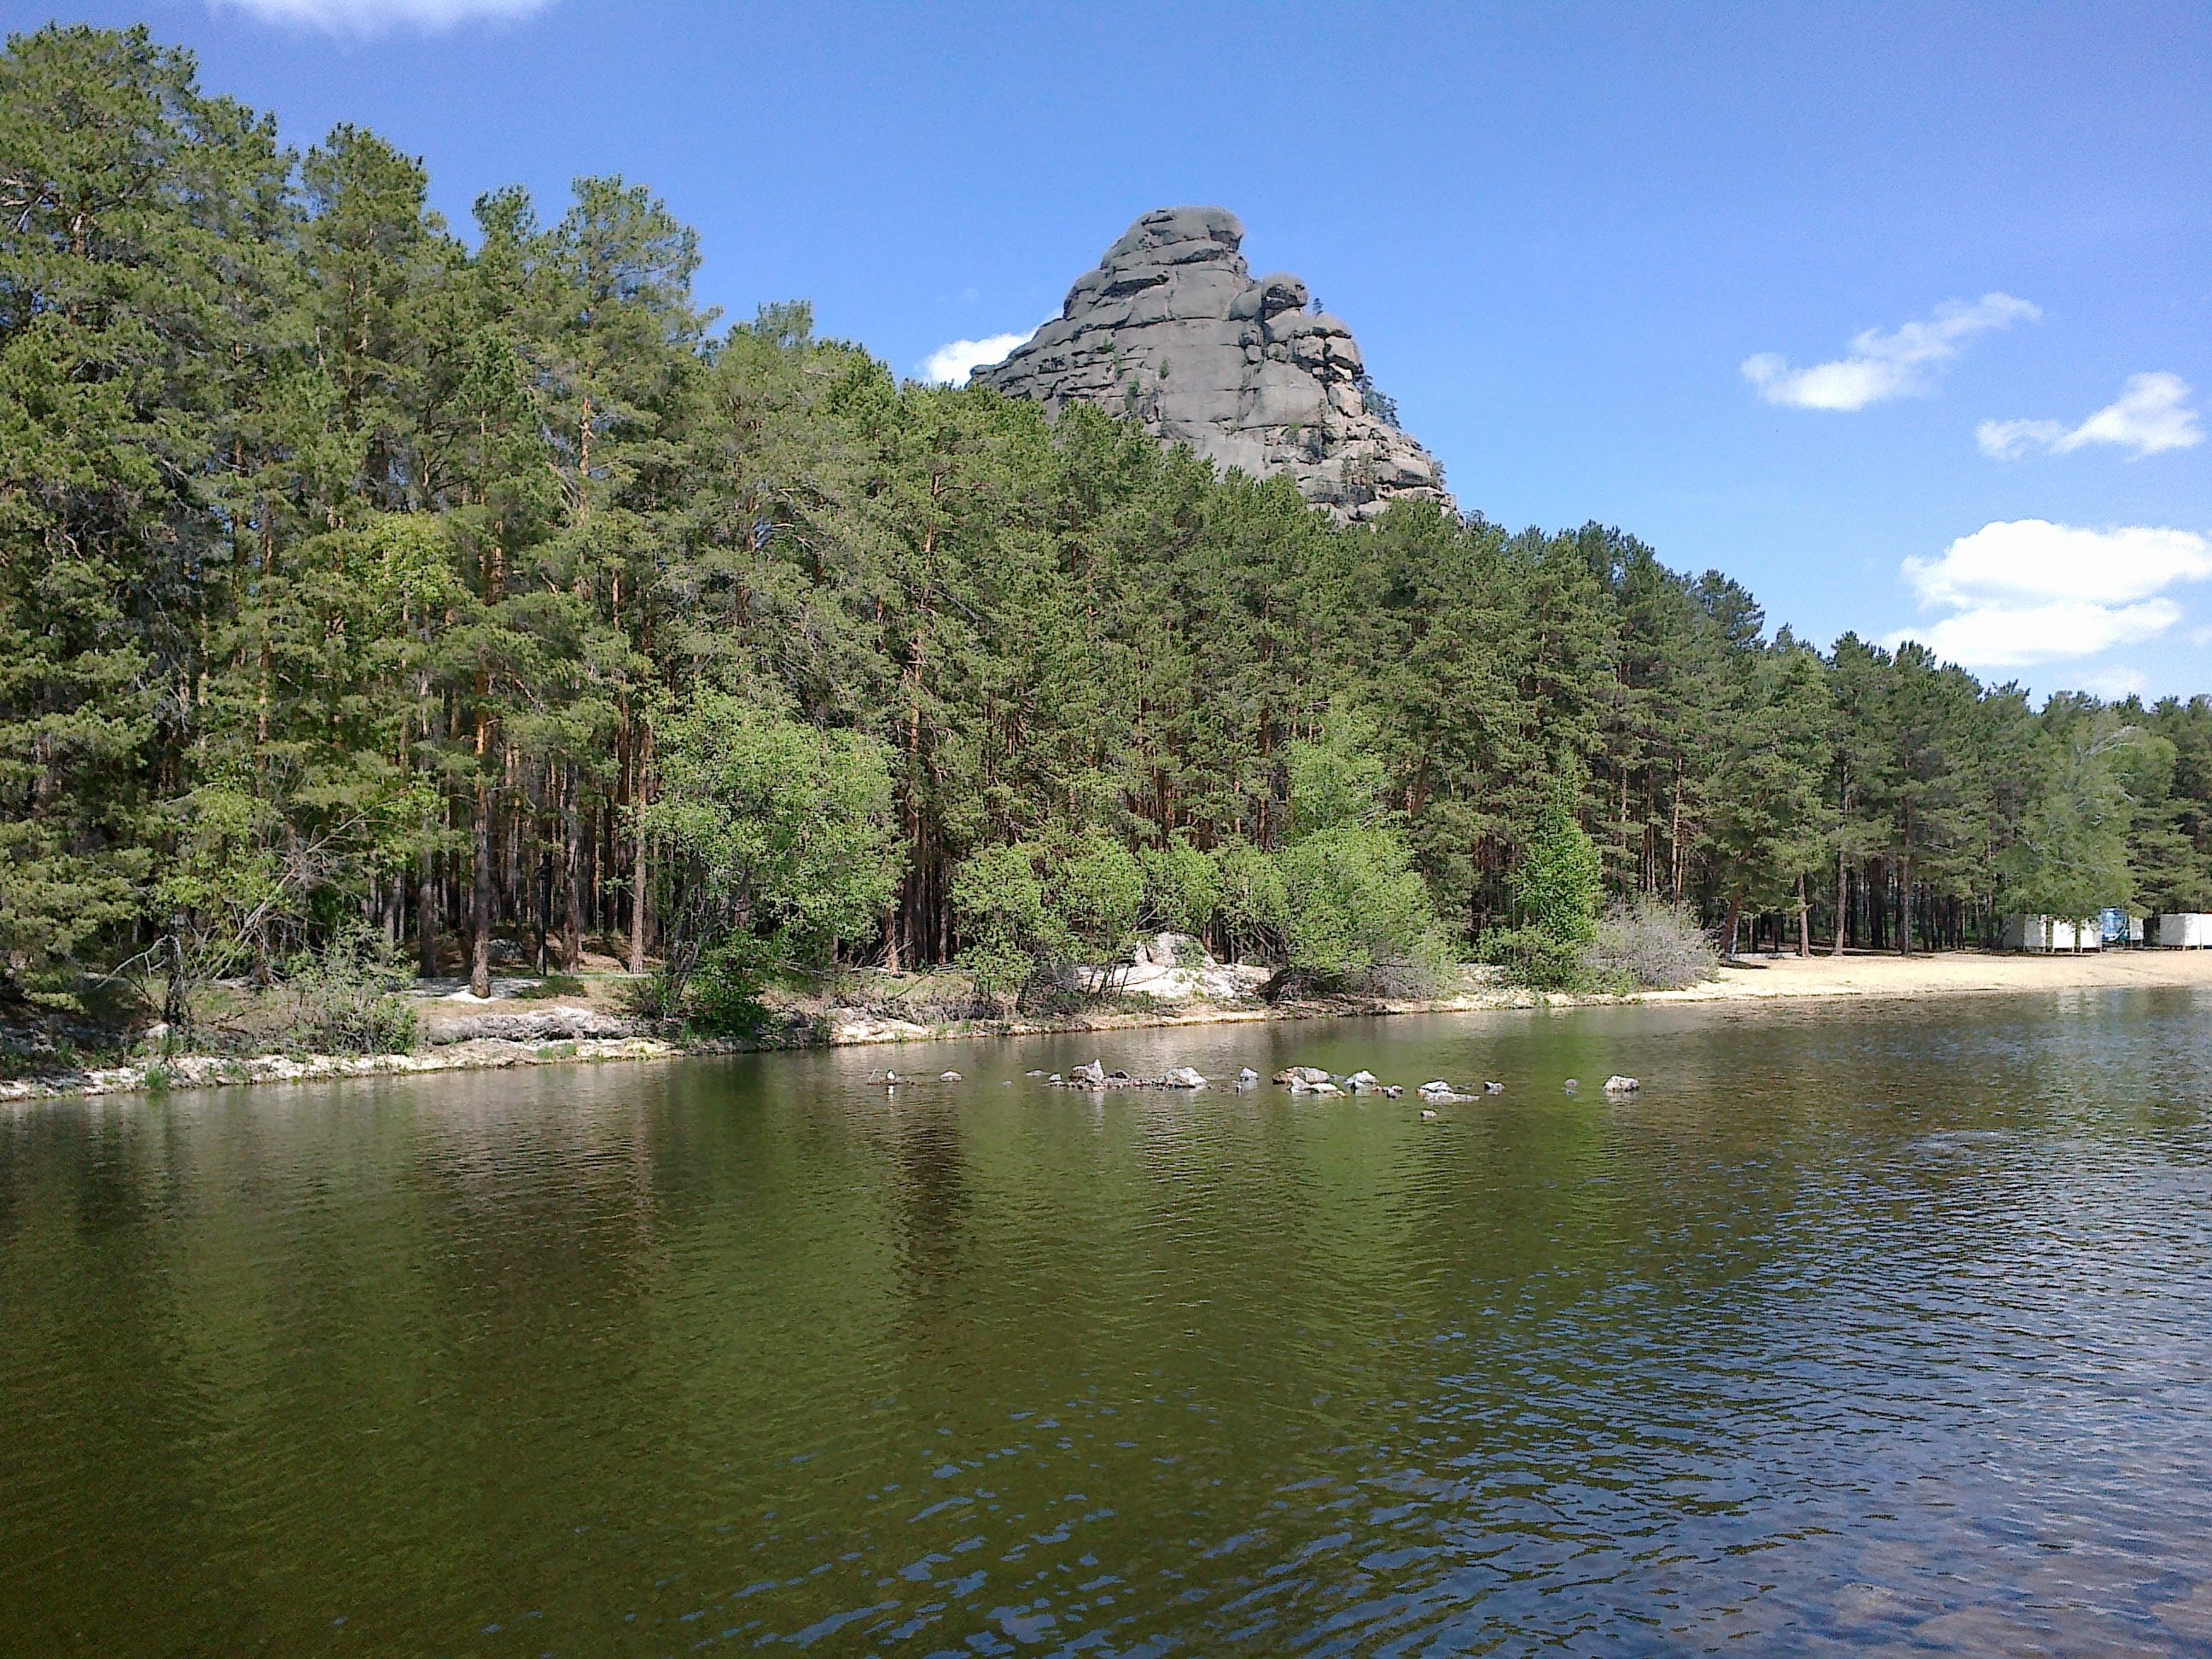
(1173, 329)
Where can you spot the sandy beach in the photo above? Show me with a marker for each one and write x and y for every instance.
(1948, 973)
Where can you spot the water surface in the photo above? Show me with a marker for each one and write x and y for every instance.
(1888, 1328)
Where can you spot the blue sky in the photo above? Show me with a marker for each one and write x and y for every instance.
(1901, 316)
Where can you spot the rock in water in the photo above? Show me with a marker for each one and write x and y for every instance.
(1091, 1076)
(1182, 1076)
(1173, 329)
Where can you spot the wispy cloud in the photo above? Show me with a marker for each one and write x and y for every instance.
(2028, 590)
(951, 363)
(1885, 366)
(366, 18)
(2116, 682)
(2151, 416)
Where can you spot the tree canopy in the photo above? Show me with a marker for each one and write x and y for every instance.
(488, 592)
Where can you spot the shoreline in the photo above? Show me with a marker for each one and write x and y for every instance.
(1747, 981)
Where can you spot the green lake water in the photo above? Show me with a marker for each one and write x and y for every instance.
(1880, 1329)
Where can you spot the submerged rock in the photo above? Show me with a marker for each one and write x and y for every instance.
(1173, 329)
(1623, 1085)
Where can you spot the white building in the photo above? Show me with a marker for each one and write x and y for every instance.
(2051, 933)
(2182, 930)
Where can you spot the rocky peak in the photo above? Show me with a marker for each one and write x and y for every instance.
(1173, 329)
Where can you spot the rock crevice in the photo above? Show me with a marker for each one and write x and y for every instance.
(1173, 329)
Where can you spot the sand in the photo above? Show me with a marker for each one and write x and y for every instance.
(1947, 973)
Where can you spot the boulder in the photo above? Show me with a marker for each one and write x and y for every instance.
(1091, 1076)
(1247, 1078)
(1182, 1076)
(1623, 1085)
(1360, 1082)
(1307, 1074)
(1173, 328)
(540, 1026)
(948, 1076)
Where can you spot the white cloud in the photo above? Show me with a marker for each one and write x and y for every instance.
(2010, 636)
(2028, 590)
(1884, 366)
(951, 364)
(2151, 416)
(364, 17)
(2035, 559)
(2116, 682)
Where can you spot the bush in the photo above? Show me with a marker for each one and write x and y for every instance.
(1010, 934)
(1182, 887)
(345, 998)
(1536, 959)
(1253, 908)
(1359, 915)
(1646, 944)
(722, 998)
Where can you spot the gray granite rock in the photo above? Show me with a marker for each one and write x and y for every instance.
(1173, 329)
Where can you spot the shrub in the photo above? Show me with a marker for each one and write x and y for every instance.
(1255, 909)
(722, 997)
(1097, 891)
(1646, 944)
(345, 998)
(1010, 935)
(1535, 958)
(1359, 915)
(1182, 887)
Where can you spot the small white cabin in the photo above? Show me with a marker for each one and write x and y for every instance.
(2182, 930)
(2025, 933)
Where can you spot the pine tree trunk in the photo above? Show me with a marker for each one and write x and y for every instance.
(426, 913)
(1804, 920)
(480, 917)
(1843, 900)
(572, 859)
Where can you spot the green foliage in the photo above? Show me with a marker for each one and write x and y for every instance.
(1097, 889)
(1013, 935)
(344, 996)
(1536, 959)
(2070, 857)
(1358, 915)
(1182, 887)
(1255, 907)
(777, 840)
(1561, 876)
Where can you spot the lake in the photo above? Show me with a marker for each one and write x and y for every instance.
(1884, 1329)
